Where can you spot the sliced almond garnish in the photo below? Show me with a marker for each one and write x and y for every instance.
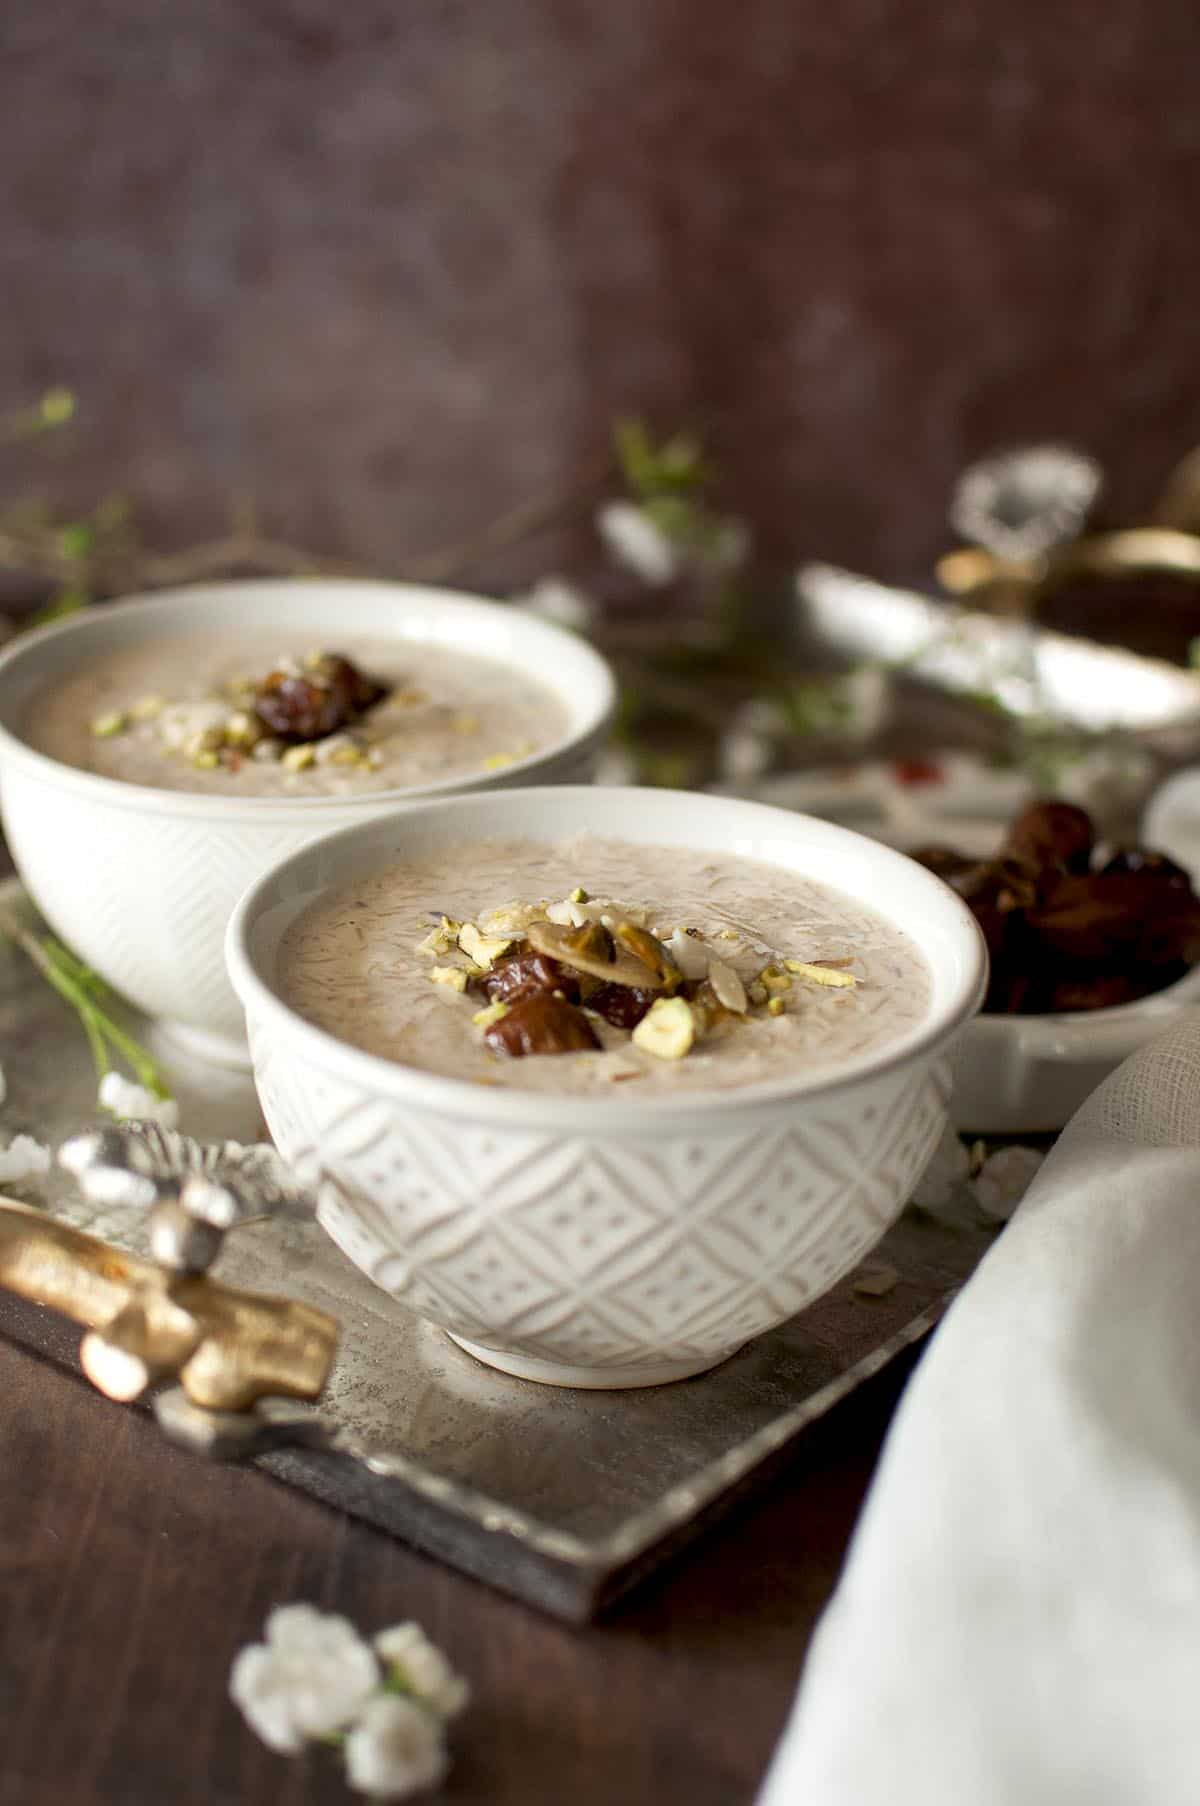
(554, 939)
(730, 991)
(649, 949)
(688, 954)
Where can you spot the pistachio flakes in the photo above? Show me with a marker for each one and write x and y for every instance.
(483, 949)
(453, 977)
(830, 975)
(667, 1030)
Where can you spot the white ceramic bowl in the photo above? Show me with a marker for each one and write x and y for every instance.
(141, 882)
(1025, 1075)
(606, 1242)
(1013, 1075)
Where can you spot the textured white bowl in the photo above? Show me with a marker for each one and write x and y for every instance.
(606, 1242)
(141, 882)
(1025, 1075)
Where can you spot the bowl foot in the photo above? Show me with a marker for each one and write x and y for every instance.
(205, 1044)
(594, 1379)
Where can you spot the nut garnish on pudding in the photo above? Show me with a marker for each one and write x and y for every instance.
(245, 717)
(598, 963)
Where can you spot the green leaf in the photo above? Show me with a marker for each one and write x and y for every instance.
(76, 539)
(67, 601)
(56, 407)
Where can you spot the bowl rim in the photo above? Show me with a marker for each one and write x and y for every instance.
(466, 1097)
(548, 639)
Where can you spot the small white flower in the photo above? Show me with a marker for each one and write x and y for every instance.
(134, 1103)
(1003, 1180)
(743, 755)
(635, 541)
(554, 599)
(23, 1158)
(395, 1749)
(423, 1668)
(616, 766)
(947, 1170)
(313, 1675)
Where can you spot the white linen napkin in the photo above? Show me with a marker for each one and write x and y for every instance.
(1018, 1622)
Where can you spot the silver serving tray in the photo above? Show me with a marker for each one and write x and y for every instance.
(563, 1498)
(1031, 671)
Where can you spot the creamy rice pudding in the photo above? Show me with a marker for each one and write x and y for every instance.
(596, 964)
(245, 715)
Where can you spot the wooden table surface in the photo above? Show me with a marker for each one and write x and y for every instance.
(131, 1573)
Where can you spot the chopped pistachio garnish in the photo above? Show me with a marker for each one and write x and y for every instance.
(511, 918)
(493, 1013)
(206, 759)
(773, 981)
(775, 1006)
(498, 761)
(242, 729)
(299, 758)
(481, 948)
(579, 895)
(210, 739)
(442, 938)
(453, 977)
(821, 975)
(667, 1030)
(105, 726)
(728, 934)
(146, 708)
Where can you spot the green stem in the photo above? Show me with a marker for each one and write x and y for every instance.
(79, 986)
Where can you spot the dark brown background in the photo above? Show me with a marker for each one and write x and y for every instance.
(394, 266)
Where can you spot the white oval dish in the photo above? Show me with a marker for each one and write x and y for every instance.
(141, 882)
(1013, 1075)
(606, 1242)
(1026, 1075)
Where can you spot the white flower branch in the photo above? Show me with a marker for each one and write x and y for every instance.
(385, 1709)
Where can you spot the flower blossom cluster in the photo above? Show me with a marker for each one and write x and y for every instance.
(385, 1705)
(136, 1103)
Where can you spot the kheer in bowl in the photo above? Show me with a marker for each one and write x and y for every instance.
(157, 755)
(604, 1082)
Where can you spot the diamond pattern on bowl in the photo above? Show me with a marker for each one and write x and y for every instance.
(600, 1253)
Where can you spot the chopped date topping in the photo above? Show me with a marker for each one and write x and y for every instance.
(325, 696)
(621, 1005)
(544, 969)
(541, 1023)
(1065, 932)
(523, 974)
(1052, 834)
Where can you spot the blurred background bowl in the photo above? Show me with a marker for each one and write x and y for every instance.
(140, 882)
